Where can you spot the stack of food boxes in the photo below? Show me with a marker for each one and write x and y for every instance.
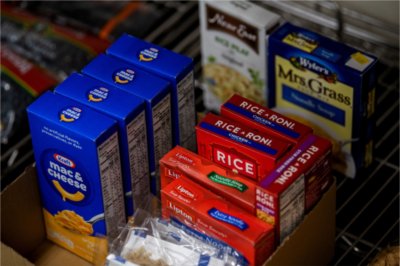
(98, 139)
(256, 174)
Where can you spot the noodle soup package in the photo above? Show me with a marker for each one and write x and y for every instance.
(234, 50)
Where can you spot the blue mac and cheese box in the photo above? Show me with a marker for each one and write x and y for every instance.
(177, 69)
(128, 110)
(328, 86)
(156, 94)
(79, 173)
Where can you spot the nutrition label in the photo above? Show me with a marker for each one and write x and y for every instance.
(291, 207)
(111, 184)
(162, 132)
(187, 117)
(138, 158)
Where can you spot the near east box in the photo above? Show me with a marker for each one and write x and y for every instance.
(21, 203)
(313, 78)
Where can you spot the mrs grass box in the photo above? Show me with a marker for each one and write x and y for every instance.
(156, 94)
(128, 111)
(79, 173)
(177, 69)
(329, 86)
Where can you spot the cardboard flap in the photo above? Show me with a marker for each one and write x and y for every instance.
(22, 226)
(11, 258)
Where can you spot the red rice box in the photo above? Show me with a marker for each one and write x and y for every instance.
(263, 119)
(182, 163)
(204, 211)
(234, 146)
(293, 188)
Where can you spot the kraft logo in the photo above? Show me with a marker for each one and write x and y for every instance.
(70, 114)
(63, 160)
(124, 76)
(148, 54)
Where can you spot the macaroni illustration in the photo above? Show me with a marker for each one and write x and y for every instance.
(73, 222)
(78, 196)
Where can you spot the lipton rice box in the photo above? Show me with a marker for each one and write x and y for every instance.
(295, 186)
(182, 163)
(79, 173)
(264, 119)
(328, 86)
(198, 208)
(128, 110)
(234, 40)
(239, 148)
(156, 94)
(177, 69)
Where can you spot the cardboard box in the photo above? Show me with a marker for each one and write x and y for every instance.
(20, 202)
(328, 86)
(128, 110)
(156, 94)
(177, 69)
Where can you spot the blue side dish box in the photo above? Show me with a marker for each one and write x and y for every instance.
(156, 94)
(79, 173)
(177, 69)
(328, 86)
(128, 110)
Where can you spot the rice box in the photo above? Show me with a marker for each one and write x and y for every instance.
(264, 119)
(328, 86)
(295, 186)
(234, 146)
(79, 173)
(128, 110)
(156, 94)
(234, 40)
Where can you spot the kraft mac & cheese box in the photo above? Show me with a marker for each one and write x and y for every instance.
(156, 94)
(201, 209)
(234, 39)
(264, 119)
(79, 173)
(239, 148)
(182, 163)
(177, 69)
(295, 186)
(128, 111)
(329, 86)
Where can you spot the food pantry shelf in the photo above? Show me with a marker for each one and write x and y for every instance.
(368, 206)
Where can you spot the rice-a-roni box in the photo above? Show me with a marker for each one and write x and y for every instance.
(242, 149)
(328, 86)
(234, 39)
(155, 92)
(264, 119)
(79, 173)
(182, 163)
(295, 186)
(198, 208)
(128, 110)
(174, 67)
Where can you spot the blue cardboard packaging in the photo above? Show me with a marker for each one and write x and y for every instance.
(156, 94)
(128, 110)
(79, 173)
(328, 86)
(177, 69)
